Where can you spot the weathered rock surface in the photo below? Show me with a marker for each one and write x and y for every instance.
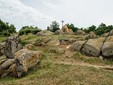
(28, 46)
(91, 35)
(58, 32)
(42, 41)
(12, 45)
(93, 47)
(105, 35)
(77, 46)
(2, 47)
(66, 30)
(107, 49)
(111, 33)
(66, 41)
(57, 50)
(26, 59)
(19, 65)
(80, 32)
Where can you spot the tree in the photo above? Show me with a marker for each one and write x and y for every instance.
(102, 28)
(29, 29)
(71, 26)
(6, 29)
(53, 27)
(91, 28)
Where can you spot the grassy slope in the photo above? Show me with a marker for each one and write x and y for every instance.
(50, 73)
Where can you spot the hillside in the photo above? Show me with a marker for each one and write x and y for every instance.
(58, 68)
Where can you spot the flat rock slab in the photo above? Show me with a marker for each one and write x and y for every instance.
(93, 47)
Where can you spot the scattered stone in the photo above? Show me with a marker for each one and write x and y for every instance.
(67, 41)
(107, 49)
(26, 59)
(42, 41)
(66, 30)
(91, 35)
(57, 50)
(93, 47)
(12, 45)
(105, 35)
(111, 33)
(80, 32)
(29, 46)
(58, 32)
(77, 46)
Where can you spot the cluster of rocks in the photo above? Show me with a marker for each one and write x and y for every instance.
(102, 46)
(64, 30)
(16, 60)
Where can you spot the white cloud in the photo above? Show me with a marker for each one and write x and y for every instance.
(19, 14)
(82, 13)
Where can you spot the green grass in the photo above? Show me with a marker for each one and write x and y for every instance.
(2, 38)
(91, 60)
(60, 74)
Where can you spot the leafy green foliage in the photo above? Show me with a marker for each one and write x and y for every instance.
(29, 29)
(53, 27)
(101, 29)
(71, 26)
(6, 29)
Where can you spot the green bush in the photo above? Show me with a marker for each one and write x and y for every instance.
(29, 29)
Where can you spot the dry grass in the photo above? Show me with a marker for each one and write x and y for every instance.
(50, 73)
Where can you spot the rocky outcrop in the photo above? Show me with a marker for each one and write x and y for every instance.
(91, 35)
(58, 32)
(64, 30)
(19, 65)
(12, 45)
(77, 46)
(42, 41)
(80, 32)
(93, 47)
(25, 59)
(107, 49)
(66, 41)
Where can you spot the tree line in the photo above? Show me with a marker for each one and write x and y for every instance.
(7, 29)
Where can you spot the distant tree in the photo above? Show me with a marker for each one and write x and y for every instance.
(29, 29)
(53, 27)
(89, 29)
(71, 26)
(102, 28)
(6, 29)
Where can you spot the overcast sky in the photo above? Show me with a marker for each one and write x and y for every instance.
(82, 13)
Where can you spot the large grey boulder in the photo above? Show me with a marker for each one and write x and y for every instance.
(93, 47)
(12, 45)
(25, 59)
(77, 46)
(107, 49)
